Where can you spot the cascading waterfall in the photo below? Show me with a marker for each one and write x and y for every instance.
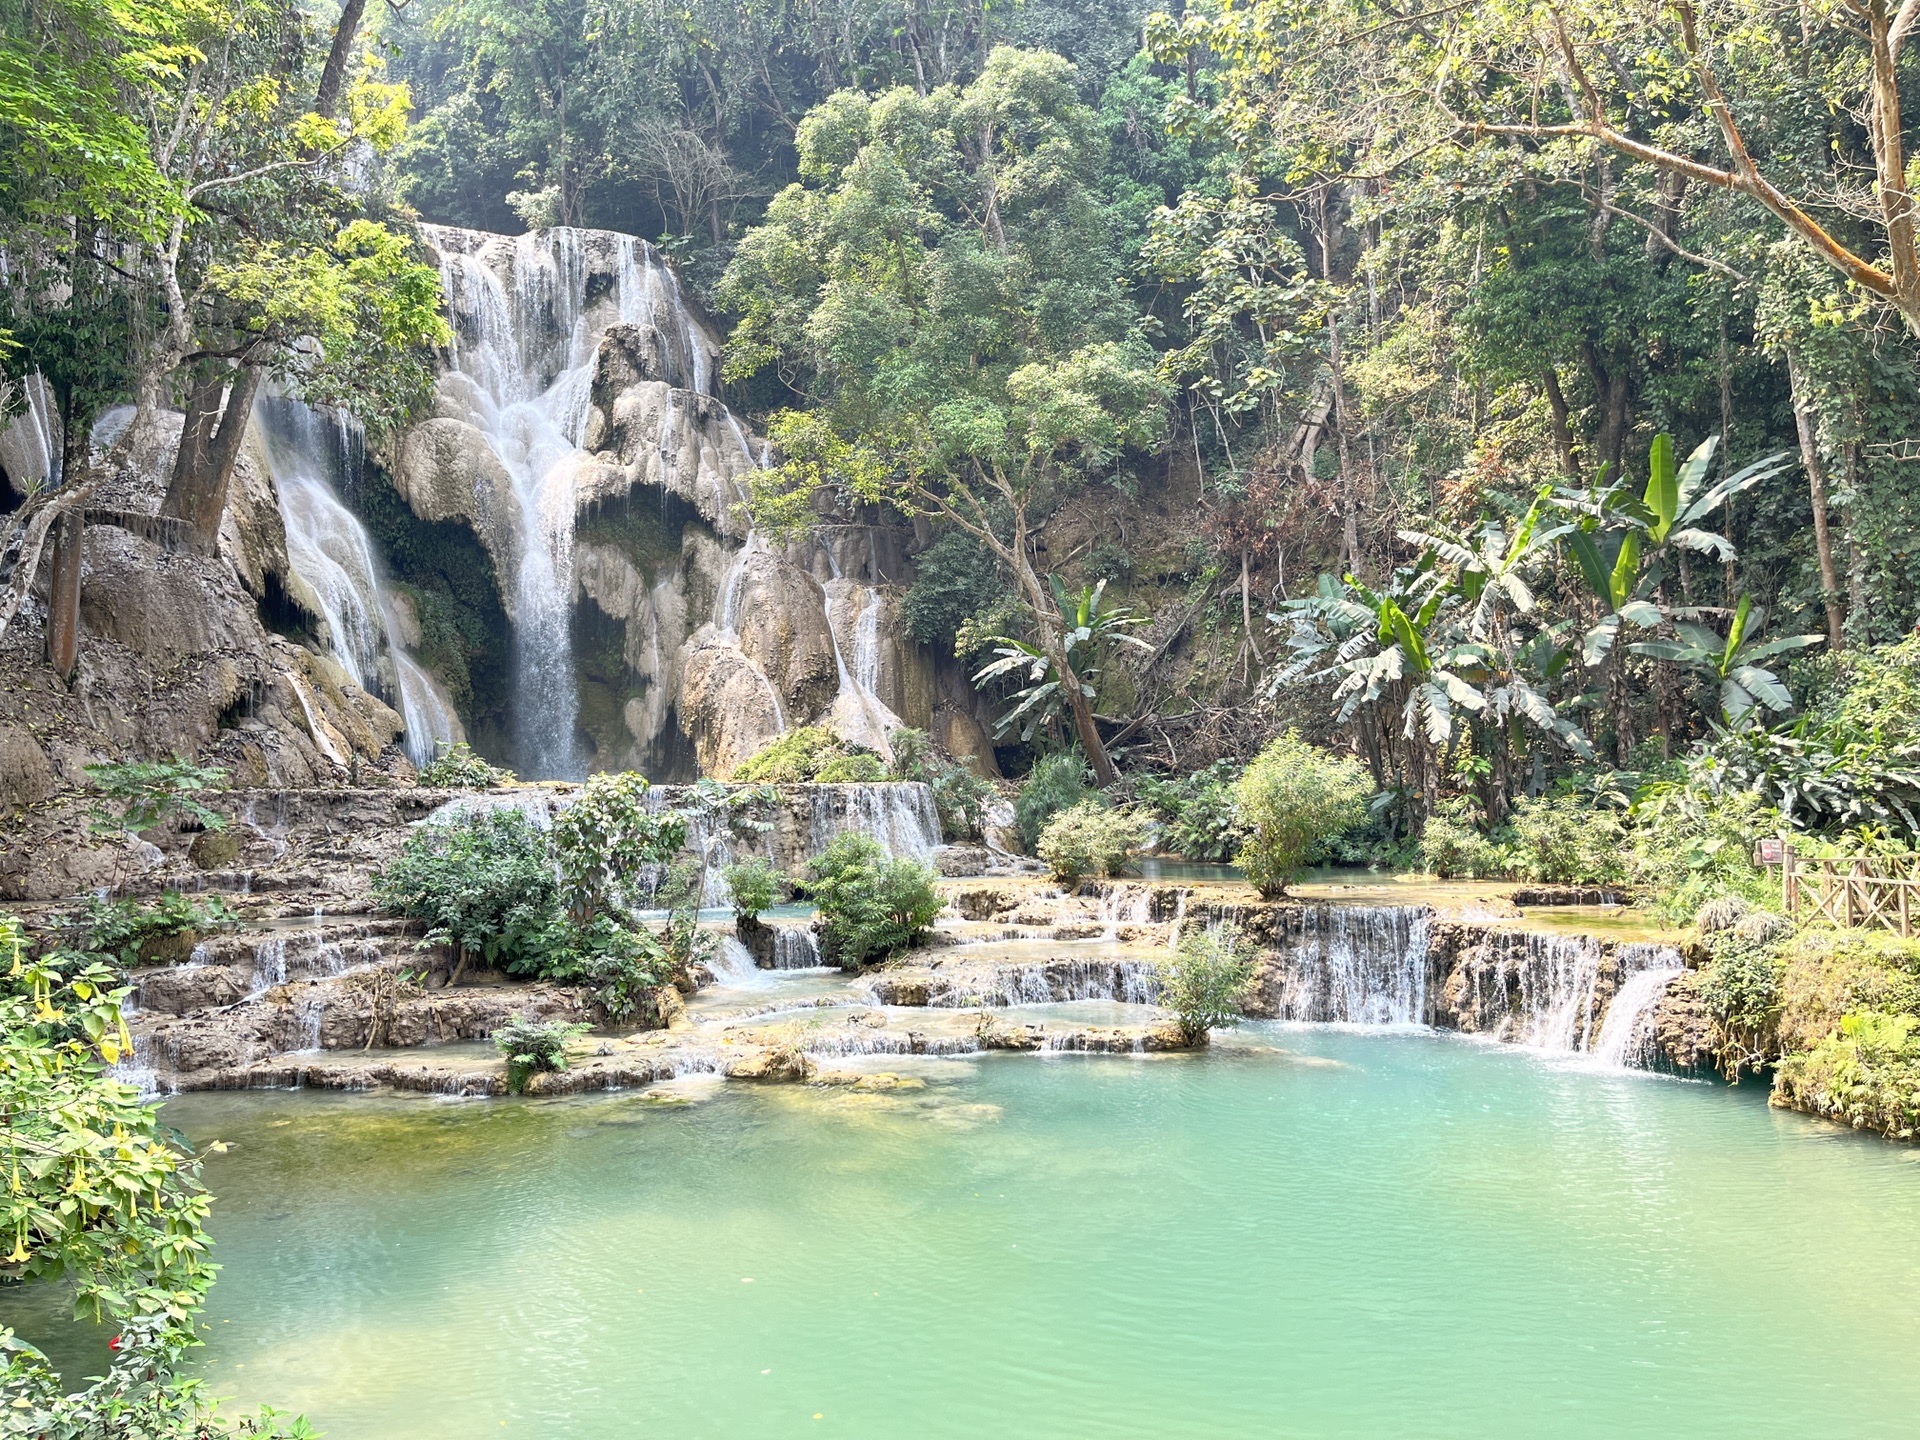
(1626, 1040)
(902, 816)
(795, 948)
(858, 713)
(1547, 991)
(329, 549)
(1357, 965)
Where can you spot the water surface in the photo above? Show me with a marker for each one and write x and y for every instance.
(1308, 1232)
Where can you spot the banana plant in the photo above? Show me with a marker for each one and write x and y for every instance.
(1088, 626)
(1490, 568)
(1674, 503)
(1737, 662)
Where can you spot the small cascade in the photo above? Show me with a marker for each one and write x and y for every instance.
(308, 456)
(1626, 1040)
(732, 965)
(309, 1012)
(1551, 992)
(307, 957)
(1356, 965)
(1051, 982)
(1123, 905)
(901, 815)
(795, 948)
(858, 713)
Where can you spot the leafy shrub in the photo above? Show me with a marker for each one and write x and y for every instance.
(534, 1047)
(1055, 783)
(1561, 839)
(1819, 776)
(457, 768)
(622, 966)
(1293, 798)
(600, 842)
(144, 794)
(790, 759)
(869, 906)
(1452, 845)
(137, 933)
(482, 884)
(1206, 980)
(1199, 814)
(855, 767)
(755, 885)
(1721, 913)
(1741, 990)
(1091, 839)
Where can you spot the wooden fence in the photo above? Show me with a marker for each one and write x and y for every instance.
(1883, 891)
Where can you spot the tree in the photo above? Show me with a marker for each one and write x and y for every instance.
(1206, 980)
(1737, 662)
(939, 283)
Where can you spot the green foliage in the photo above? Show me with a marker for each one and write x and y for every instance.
(1453, 845)
(1088, 628)
(1689, 845)
(534, 1047)
(1865, 1074)
(102, 1199)
(870, 906)
(623, 966)
(1741, 989)
(482, 883)
(856, 767)
(755, 885)
(1056, 782)
(1198, 813)
(141, 795)
(456, 767)
(134, 932)
(955, 580)
(1206, 980)
(1563, 839)
(793, 758)
(1293, 798)
(1090, 838)
(600, 842)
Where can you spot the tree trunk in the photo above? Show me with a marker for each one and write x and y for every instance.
(63, 606)
(1817, 487)
(209, 449)
(1560, 412)
(327, 99)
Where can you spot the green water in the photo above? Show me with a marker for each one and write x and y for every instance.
(1313, 1233)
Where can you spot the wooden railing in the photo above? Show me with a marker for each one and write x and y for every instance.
(1860, 893)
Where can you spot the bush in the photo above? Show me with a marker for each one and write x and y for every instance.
(1742, 993)
(790, 759)
(1199, 815)
(534, 1047)
(1090, 839)
(855, 767)
(1205, 981)
(1561, 839)
(458, 768)
(1453, 847)
(755, 885)
(1055, 783)
(622, 966)
(133, 933)
(869, 906)
(600, 842)
(482, 884)
(1293, 798)
(1865, 1074)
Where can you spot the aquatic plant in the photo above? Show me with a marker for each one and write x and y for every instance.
(1205, 981)
(1091, 839)
(1293, 798)
(869, 906)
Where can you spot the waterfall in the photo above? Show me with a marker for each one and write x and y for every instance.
(1626, 1040)
(1547, 991)
(329, 549)
(1356, 965)
(732, 965)
(901, 815)
(794, 948)
(531, 361)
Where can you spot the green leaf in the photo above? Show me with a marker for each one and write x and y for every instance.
(1663, 489)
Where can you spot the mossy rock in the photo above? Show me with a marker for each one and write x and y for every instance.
(214, 849)
(174, 949)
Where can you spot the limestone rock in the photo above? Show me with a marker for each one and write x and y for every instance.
(26, 776)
